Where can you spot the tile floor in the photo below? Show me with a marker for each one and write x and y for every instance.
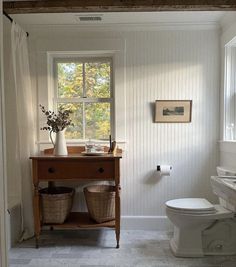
(96, 248)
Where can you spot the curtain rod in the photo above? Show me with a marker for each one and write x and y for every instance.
(11, 20)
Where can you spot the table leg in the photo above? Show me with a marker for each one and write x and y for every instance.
(117, 238)
(117, 214)
(36, 241)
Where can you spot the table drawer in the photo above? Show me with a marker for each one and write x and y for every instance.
(48, 170)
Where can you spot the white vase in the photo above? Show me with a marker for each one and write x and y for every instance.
(60, 148)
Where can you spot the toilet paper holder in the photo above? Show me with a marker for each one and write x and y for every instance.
(159, 167)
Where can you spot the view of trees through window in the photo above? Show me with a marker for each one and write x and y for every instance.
(85, 88)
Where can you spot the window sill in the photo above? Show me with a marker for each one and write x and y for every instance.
(78, 142)
(227, 146)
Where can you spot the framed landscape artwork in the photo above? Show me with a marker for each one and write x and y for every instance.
(173, 110)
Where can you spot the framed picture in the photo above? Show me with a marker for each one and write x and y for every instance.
(173, 110)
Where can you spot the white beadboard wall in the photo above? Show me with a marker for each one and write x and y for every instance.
(165, 64)
(170, 65)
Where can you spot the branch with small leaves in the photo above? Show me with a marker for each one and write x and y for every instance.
(56, 122)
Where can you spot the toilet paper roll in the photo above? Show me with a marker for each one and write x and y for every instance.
(164, 170)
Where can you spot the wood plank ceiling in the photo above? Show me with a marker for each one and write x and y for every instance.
(63, 6)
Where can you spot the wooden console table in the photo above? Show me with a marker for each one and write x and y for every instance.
(76, 166)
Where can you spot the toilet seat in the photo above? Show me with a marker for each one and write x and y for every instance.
(198, 206)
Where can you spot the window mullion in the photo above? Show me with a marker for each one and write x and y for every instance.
(86, 100)
(84, 84)
(84, 121)
(84, 96)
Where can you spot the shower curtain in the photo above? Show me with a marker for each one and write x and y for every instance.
(25, 130)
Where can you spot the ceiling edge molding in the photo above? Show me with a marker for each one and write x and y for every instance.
(126, 27)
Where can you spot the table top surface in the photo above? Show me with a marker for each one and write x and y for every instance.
(77, 156)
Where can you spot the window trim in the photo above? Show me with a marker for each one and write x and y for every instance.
(78, 58)
(227, 92)
(47, 48)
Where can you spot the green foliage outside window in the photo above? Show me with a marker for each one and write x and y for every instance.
(70, 80)
(90, 82)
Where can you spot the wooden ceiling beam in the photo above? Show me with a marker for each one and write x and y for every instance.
(60, 6)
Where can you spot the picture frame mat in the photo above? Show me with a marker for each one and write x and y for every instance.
(160, 105)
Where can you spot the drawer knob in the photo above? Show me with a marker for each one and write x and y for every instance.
(51, 170)
(101, 170)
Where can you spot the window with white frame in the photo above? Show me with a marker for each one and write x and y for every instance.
(230, 92)
(84, 85)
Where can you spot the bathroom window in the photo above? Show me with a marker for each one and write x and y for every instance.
(230, 92)
(84, 85)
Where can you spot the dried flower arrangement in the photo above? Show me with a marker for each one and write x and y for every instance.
(56, 121)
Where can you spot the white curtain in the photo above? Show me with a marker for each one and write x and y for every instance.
(25, 130)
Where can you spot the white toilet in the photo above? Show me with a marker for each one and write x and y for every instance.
(201, 228)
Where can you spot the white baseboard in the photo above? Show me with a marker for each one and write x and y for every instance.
(159, 223)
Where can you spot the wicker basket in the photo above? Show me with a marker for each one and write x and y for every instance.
(56, 204)
(100, 201)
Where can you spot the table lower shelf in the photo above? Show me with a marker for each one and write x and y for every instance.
(81, 220)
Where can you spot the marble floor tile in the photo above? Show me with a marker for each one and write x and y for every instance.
(19, 261)
(96, 248)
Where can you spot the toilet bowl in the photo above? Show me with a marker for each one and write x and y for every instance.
(199, 225)
(190, 217)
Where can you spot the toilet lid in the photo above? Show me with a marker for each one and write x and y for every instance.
(191, 204)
